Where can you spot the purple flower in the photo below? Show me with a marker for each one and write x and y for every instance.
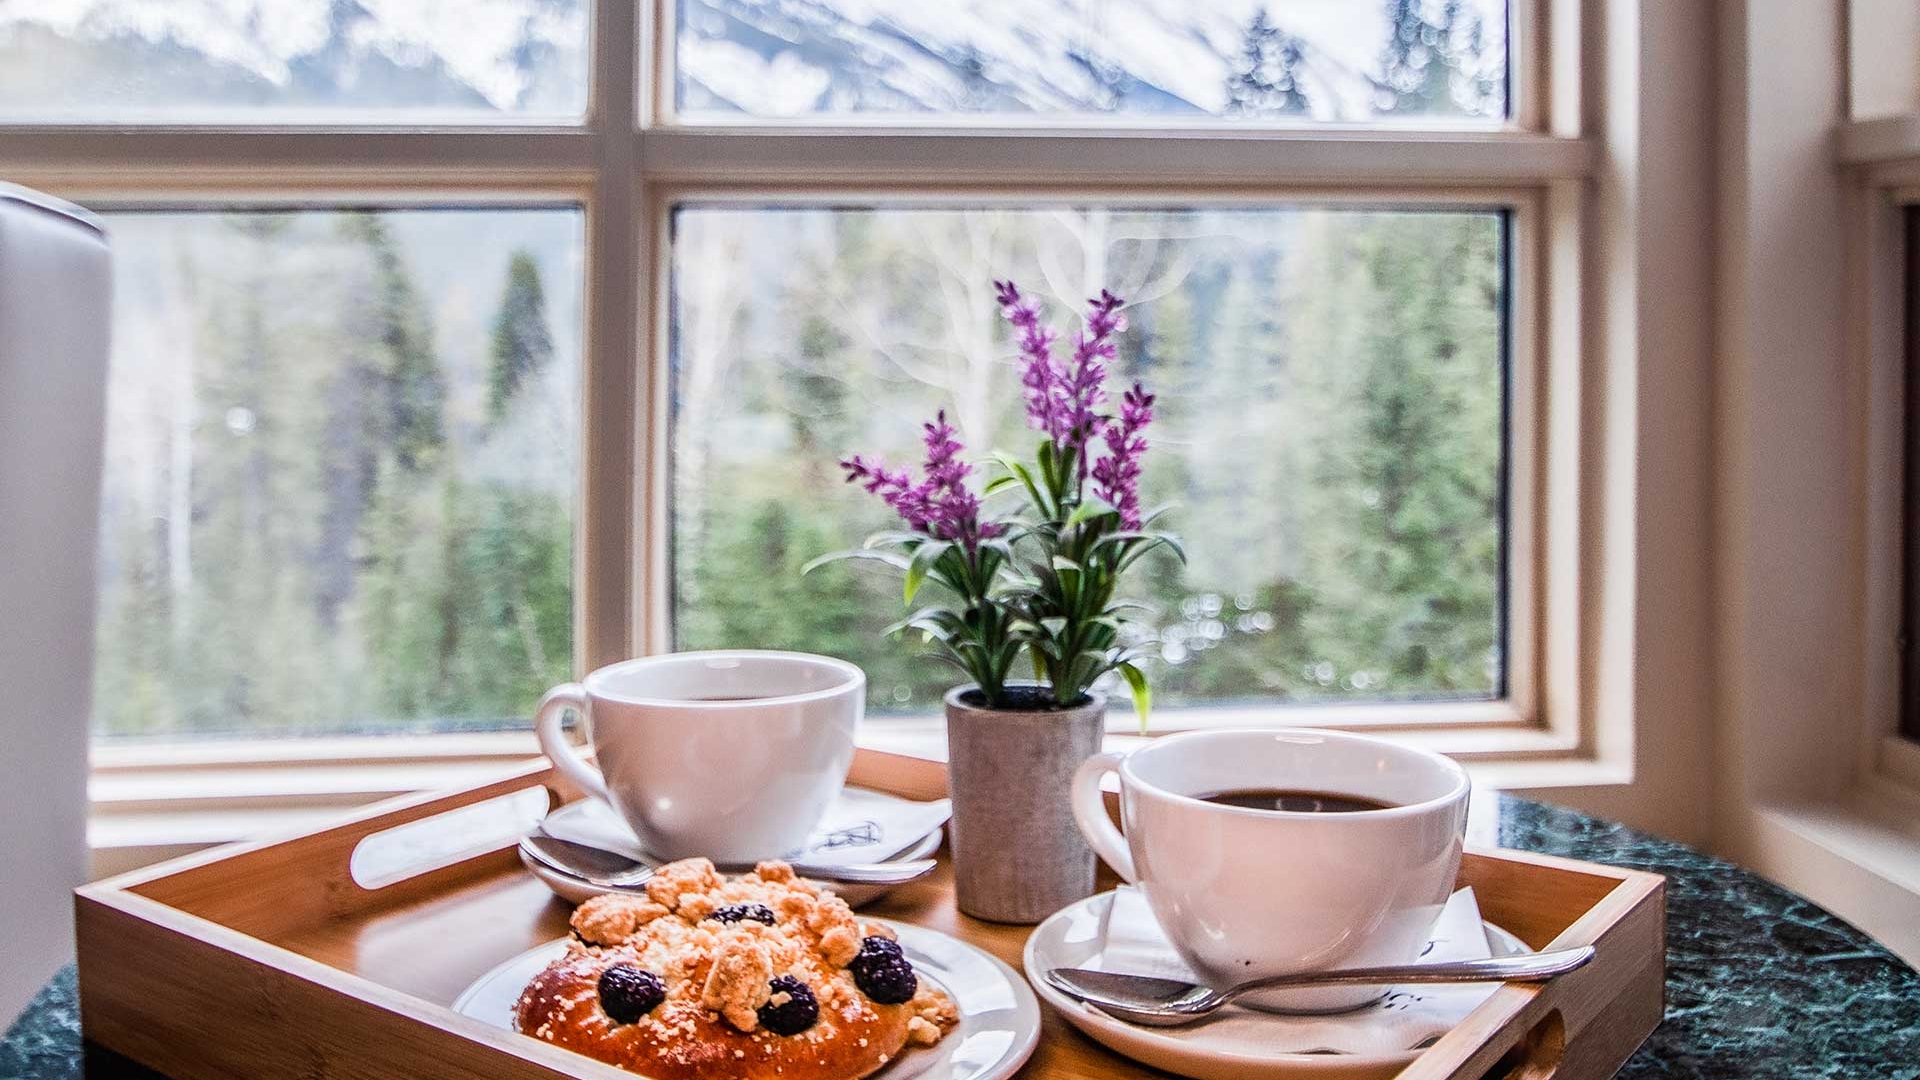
(1064, 401)
(945, 469)
(896, 488)
(1116, 476)
(1085, 381)
(940, 505)
(1040, 377)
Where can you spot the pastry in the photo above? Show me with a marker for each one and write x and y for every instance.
(704, 978)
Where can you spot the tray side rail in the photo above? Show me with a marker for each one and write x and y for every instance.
(1581, 1026)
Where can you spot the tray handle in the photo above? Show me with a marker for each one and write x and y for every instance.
(1537, 1053)
(269, 887)
(1530, 1044)
(449, 838)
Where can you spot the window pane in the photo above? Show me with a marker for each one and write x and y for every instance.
(1330, 428)
(341, 460)
(1327, 60)
(265, 59)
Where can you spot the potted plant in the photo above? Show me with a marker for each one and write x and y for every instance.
(1035, 581)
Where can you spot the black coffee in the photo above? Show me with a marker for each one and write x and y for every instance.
(1298, 802)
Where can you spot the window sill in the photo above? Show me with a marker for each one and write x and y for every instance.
(1897, 761)
(1859, 857)
(152, 802)
(1880, 141)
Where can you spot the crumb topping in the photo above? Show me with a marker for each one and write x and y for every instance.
(934, 1007)
(922, 1033)
(677, 879)
(839, 945)
(722, 968)
(737, 983)
(612, 919)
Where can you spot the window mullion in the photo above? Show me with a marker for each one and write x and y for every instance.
(77, 162)
(611, 456)
(1052, 157)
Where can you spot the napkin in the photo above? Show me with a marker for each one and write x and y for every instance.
(1408, 1018)
(859, 826)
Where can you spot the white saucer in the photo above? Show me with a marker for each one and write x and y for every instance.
(575, 891)
(861, 826)
(999, 1018)
(1229, 1046)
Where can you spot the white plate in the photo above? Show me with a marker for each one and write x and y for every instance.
(575, 891)
(862, 825)
(1226, 1047)
(999, 1018)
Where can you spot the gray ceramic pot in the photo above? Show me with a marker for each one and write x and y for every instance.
(1017, 855)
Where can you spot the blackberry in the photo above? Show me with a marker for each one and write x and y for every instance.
(796, 1014)
(882, 973)
(627, 993)
(876, 948)
(733, 913)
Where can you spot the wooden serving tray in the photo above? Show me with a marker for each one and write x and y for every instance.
(273, 959)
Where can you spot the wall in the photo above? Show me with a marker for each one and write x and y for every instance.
(1649, 399)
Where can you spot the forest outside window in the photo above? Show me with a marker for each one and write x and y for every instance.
(460, 346)
(1332, 384)
(341, 456)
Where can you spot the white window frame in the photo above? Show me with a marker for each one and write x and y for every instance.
(1882, 157)
(1809, 785)
(629, 160)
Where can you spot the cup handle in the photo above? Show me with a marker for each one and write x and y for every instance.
(1090, 813)
(554, 744)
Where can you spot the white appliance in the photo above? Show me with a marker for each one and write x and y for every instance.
(55, 292)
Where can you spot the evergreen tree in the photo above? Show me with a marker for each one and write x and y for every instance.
(402, 583)
(504, 618)
(1435, 62)
(1265, 80)
(1405, 498)
(411, 383)
(522, 346)
(134, 675)
(506, 605)
(397, 436)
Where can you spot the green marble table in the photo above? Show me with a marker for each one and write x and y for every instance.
(1760, 982)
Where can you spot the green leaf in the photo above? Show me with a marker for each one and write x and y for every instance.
(1019, 469)
(1133, 555)
(895, 560)
(924, 557)
(1088, 510)
(936, 621)
(1142, 693)
(999, 484)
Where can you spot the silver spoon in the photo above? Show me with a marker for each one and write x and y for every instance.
(1139, 999)
(612, 870)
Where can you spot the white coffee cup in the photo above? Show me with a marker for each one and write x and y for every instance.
(1244, 893)
(734, 754)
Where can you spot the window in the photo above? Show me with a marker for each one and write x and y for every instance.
(115, 60)
(458, 351)
(1314, 60)
(341, 451)
(1909, 724)
(1330, 427)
